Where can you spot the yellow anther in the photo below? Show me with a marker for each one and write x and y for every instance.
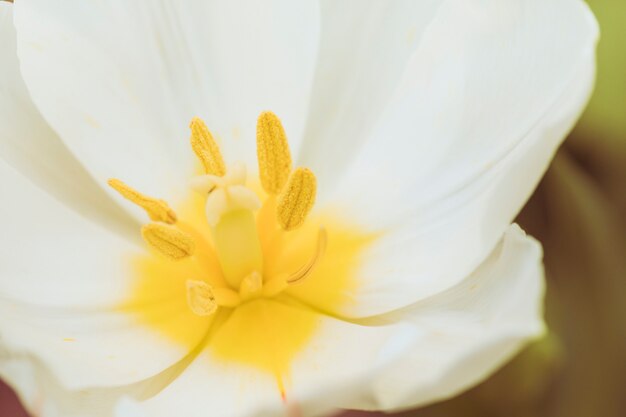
(272, 152)
(296, 199)
(158, 210)
(200, 298)
(206, 149)
(168, 240)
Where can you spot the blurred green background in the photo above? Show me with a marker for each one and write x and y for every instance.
(579, 214)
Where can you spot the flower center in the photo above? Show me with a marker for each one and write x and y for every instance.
(237, 219)
(243, 267)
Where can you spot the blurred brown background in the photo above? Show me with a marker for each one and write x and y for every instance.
(579, 214)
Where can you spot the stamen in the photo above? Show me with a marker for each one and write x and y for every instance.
(296, 199)
(308, 268)
(168, 240)
(200, 298)
(275, 286)
(158, 210)
(206, 149)
(226, 297)
(251, 285)
(272, 152)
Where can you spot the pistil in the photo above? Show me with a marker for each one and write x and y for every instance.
(237, 245)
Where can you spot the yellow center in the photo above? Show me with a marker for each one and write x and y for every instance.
(248, 270)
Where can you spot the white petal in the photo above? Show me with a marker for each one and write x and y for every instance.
(413, 356)
(30, 146)
(63, 282)
(468, 331)
(338, 352)
(436, 348)
(128, 407)
(493, 91)
(207, 388)
(43, 395)
(120, 81)
(364, 47)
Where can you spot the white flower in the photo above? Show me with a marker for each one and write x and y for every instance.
(426, 124)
